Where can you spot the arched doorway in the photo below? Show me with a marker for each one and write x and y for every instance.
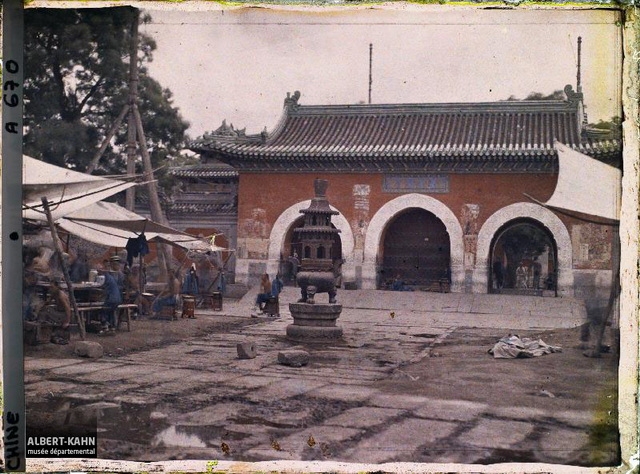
(416, 248)
(523, 259)
(293, 248)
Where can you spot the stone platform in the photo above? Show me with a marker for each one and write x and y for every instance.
(314, 322)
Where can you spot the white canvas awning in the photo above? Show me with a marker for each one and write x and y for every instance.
(65, 189)
(586, 185)
(111, 225)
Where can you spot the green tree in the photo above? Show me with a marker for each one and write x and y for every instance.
(76, 84)
(555, 95)
(611, 128)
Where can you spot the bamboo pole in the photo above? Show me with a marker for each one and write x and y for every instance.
(65, 271)
(134, 80)
(112, 131)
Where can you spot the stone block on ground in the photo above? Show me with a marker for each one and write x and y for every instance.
(246, 350)
(90, 349)
(293, 358)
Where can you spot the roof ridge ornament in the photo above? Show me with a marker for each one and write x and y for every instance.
(225, 130)
(572, 96)
(291, 101)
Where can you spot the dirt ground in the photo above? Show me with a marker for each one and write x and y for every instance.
(463, 359)
(461, 369)
(148, 333)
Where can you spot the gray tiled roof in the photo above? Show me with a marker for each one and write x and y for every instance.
(409, 132)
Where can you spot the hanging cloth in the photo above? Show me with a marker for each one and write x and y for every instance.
(136, 246)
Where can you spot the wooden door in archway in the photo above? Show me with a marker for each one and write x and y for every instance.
(416, 249)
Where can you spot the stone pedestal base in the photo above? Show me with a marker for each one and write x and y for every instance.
(314, 322)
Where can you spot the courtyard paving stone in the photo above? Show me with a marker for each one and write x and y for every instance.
(399, 441)
(455, 410)
(364, 417)
(285, 388)
(496, 433)
(559, 444)
(265, 411)
(347, 393)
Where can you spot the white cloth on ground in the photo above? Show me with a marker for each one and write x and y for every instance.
(512, 347)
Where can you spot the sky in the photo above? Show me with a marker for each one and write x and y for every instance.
(238, 64)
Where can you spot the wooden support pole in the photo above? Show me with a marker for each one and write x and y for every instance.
(65, 272)
(112, 131)
(134, 80)
(155, 208)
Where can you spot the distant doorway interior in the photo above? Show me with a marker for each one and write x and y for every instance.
(523, 259)
(416, 250)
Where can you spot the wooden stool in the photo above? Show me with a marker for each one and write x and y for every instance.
(272, 306)
(212, 300)
(188, 306)
(168, 312)
(123, 313)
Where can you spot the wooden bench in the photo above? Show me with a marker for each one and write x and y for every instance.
(87, 310)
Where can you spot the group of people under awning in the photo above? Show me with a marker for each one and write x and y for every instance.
(46, 301)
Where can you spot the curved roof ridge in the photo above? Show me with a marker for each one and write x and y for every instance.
(506, 106)
(280, 126)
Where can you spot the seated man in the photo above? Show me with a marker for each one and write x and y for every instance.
(263, 296)
(270, 308)
(30, 302)
(168, 296)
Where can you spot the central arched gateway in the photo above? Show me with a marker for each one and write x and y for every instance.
(374, 239)
(416, 249)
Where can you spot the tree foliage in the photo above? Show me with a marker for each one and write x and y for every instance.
(77, 82)
(555, 95)
(611, 128)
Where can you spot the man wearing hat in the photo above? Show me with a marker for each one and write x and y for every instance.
(118, 274)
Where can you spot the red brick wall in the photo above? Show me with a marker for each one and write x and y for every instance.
(274, 193)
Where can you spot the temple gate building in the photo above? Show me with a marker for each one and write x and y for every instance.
(429, 194)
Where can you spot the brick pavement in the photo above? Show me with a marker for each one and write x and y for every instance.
(257, 404)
